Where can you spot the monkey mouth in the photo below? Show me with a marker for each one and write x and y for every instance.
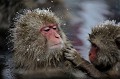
(58, 45)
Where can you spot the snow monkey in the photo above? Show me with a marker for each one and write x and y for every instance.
(104, 53)
(39, 46)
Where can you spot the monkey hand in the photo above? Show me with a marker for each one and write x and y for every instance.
(72, 55)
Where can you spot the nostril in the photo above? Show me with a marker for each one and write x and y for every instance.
(56, 36)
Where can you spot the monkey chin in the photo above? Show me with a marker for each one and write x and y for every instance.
(56, 46)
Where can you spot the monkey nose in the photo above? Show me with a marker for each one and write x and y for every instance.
(57, 35)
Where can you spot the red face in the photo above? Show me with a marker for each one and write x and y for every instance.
(93, 53)
(50, 32)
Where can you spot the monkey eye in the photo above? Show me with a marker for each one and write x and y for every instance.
(46, 29)
(94, 45)
(54, 27)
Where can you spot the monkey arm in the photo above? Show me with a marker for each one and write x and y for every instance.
(91, 70)
(80, 63)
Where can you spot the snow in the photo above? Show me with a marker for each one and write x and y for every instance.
(109, 22)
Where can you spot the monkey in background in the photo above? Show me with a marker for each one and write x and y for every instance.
(39, 46)
(104, 53)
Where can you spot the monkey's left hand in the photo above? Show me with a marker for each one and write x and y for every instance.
(72, 55)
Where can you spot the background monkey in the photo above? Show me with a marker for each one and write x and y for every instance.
(39, 46)
(104, 53)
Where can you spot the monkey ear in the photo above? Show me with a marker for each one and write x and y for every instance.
(117, 41)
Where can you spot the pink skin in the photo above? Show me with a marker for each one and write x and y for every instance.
(50, 32)
(92, 54)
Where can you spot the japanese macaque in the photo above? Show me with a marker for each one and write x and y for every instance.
(8, 9)
(104, 53)
(39, 46)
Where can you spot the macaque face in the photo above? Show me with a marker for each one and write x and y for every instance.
(51, 33)
(93, 52)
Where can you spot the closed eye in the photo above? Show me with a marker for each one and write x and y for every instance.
(46, 29)
(94, 45)
(54, 27)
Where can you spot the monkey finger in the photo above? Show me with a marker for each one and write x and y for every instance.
(67, 54)
(70, 51)
(70, 54)
(69, 48)
(70, 58)
(65, 50)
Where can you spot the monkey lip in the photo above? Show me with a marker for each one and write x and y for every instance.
(92, 57)
(58, 45)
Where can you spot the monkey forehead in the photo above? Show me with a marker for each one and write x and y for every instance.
(106, 30)
(50, 25)
(37, 16)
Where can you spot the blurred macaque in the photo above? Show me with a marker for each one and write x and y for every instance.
(104, 53)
